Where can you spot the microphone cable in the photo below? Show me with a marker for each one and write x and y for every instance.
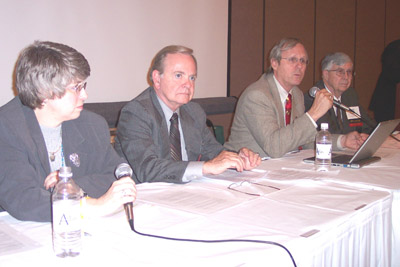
(368, 123)
(124, 169)
(131, 223)
(312, 93)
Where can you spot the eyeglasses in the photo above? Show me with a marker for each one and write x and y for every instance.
(246, 187)
(341, 72)
(78, 88)
(295, 60)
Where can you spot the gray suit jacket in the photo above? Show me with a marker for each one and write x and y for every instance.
(350, 99)
(143, 139)
(259, 122)
(24, 162)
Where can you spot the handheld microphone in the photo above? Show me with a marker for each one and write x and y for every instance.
(124, 170)
(314, 90)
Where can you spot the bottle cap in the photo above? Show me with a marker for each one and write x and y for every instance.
(65, 171)
(324, 126)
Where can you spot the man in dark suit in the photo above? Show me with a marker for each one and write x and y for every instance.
(164, 136)
(337, 75)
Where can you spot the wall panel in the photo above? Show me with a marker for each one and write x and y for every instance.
(246, 45)
(287, 18)
(392, 21)
(369, 46)
(335, 29)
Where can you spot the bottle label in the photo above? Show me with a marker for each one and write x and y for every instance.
(66, 216)
(323, 151)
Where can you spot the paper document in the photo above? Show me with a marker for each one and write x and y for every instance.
(193, 198)
(12, 241)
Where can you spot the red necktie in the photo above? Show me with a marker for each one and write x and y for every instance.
(288, 108)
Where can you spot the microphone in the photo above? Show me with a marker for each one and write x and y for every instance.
(314, 90)
(124, 170)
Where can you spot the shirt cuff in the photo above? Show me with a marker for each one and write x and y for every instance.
(339, 142)
(194, 170)
(311, 119)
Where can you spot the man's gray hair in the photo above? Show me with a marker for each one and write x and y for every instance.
(283, 45)
(338, 58)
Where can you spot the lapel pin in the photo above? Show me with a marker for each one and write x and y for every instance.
(74, 158)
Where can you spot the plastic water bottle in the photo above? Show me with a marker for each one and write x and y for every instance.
(67, 222)
(323, 149)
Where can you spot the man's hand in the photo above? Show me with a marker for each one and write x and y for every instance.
(223, 161)
(251, 159)
(353, 140)
(245, 160)
(322, 103)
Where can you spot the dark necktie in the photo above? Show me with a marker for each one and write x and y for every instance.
(175, 138)
(288, 108)
(339, 117)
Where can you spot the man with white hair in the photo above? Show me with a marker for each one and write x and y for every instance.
(337, 75)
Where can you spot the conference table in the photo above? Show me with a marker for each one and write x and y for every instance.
(344, 217)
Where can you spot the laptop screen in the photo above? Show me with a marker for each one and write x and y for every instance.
(375, 140)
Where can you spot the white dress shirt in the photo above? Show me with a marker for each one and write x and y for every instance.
(194, 170)
(283, 95)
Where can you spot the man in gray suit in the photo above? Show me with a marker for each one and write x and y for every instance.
(147, 137)
(270, 117)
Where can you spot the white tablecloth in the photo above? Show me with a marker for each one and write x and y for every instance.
(320, 222)
(381, 175)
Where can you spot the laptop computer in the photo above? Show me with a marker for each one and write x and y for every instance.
(364, 155)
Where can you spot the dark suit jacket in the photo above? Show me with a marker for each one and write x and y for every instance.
(350, 99)
(143, 139)
(24, 162)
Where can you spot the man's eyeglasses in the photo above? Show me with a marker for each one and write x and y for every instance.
(341, 72)
(78, 88)
(247, 187)
(295, 60)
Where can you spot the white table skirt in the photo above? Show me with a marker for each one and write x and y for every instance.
(381, 175)
(353, 228)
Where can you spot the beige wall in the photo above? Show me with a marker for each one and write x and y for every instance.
(360, 28)
(119, 38)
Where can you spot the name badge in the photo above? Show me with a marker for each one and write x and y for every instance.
(351, 116)
(354, 121)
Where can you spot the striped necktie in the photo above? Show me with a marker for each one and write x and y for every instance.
(175, 138)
